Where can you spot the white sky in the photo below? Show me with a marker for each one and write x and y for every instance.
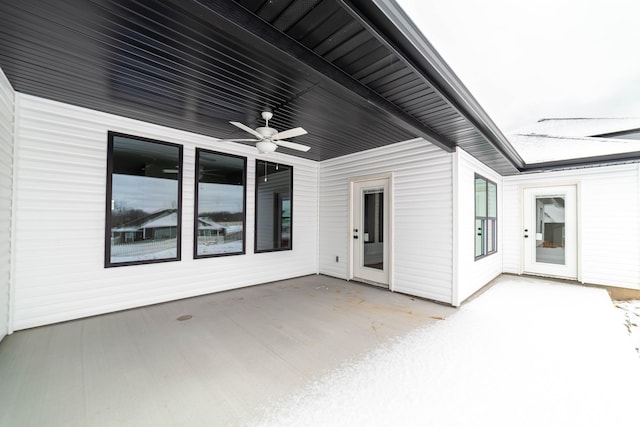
(526, 60)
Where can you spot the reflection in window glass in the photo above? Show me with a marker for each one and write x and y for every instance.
(373, 222)
(486, 210)
(481, 196)
(274, 189)
(143, 201)
(550, 230)
(220, 201)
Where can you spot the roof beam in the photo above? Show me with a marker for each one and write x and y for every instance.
(238, 19)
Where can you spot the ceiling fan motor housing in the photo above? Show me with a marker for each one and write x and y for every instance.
(266, 132)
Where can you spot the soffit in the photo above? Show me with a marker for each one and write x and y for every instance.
(331, 66)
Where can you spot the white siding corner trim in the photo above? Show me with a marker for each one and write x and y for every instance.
(7, 111)
(59, 229)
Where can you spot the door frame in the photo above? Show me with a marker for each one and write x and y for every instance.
(578, 227)
(389, 241)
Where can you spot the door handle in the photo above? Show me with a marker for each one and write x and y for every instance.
(526, 235)
(355, 237)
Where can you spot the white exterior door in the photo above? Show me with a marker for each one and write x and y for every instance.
(370, 231)
(550, 231)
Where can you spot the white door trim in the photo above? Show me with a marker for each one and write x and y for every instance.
(572, 268)
(389, 240)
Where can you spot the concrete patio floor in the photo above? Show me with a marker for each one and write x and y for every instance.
(239, 351)
(321, 351)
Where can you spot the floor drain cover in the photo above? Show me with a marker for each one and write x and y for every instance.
(184, 317)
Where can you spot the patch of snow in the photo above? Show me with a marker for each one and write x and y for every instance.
(160, 254)
(630, 311)
(170, 220)
(527, 352)
(234, 228)
(578, 127)
(220, 248)
(544, 148)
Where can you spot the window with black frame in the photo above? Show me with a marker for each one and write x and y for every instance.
(486, 216)
(144, 201)
(220, 201)
(274, 207)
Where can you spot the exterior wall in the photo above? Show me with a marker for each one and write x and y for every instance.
(422, 209)
(60, 219)
(470, 274)
(6, 192)
(608, 222)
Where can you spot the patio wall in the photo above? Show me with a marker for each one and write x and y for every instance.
(6, 191)
(422, 215)
(608, 222)
(60, 219)
(470, 274)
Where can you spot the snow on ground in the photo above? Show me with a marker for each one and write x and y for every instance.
(527, 352)
(630, 312)
(220, 248)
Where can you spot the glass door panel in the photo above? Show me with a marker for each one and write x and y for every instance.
(550, 230)
(373, 222)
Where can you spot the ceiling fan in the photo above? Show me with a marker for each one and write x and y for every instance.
(268, 138)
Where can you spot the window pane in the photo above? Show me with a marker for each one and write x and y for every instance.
(143, 218)
(220, 198)
(479, 237)
(274, 188)
(481, 197)
(492, 193)
(490, 235)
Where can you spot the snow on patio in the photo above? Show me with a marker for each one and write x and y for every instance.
(527, 352)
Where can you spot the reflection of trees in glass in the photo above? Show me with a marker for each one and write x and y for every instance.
(144, 219)
(220, 195)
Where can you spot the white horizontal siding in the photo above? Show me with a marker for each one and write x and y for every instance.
(6, 192)
(472, 274)
(60, 219)
(609, 222)
(422, 212)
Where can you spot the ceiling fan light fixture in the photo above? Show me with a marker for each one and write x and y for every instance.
(265, 146)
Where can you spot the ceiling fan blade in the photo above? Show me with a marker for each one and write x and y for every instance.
(238, 140)
(247, 129)
(290, 133)
(292, 145)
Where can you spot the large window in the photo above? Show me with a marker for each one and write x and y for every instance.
(144, 198)
(220, 204)
(274, 189)
(486, 209)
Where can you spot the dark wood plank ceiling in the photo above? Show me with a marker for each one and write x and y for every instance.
(326, 65)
